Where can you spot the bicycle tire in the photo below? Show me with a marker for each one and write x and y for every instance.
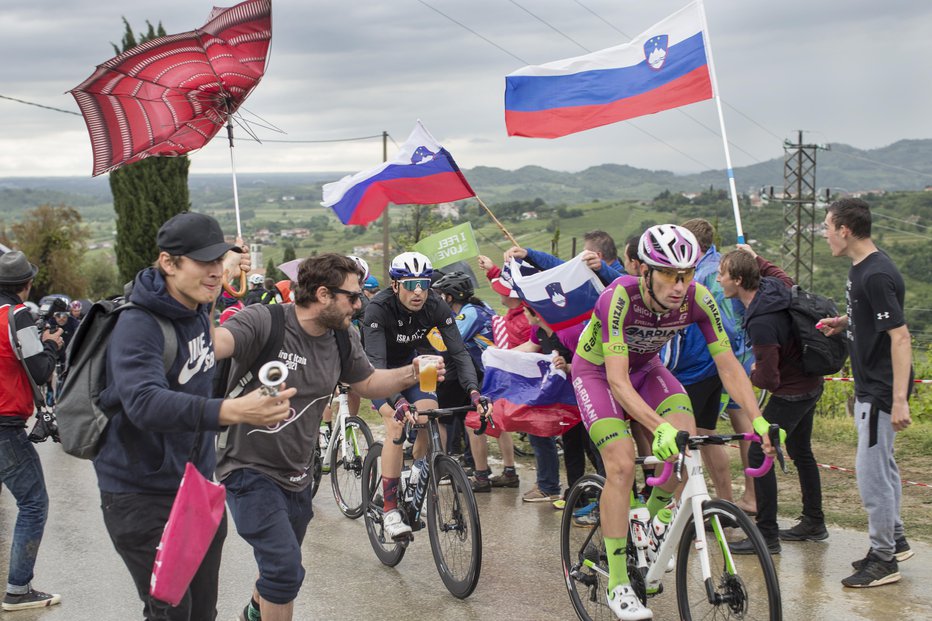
(346, 473)
(389, 552)
(317, 471)
(454, 528)
(585, 586)
(523, 446)
(751, 592)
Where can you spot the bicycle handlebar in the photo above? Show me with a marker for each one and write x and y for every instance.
(437, 413)
(683, 440)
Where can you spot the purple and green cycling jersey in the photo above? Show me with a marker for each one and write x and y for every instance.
(623, 325)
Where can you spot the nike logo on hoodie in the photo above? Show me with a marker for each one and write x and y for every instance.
(200, 358)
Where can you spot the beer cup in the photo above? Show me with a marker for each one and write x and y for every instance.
(427, 366)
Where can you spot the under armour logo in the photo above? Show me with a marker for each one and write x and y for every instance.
(883, 316)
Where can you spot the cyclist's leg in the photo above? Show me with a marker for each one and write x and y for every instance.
(605, 422)
(663, 392)
(420, 445)
(393, 454)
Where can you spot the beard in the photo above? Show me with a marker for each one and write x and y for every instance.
(333, 319)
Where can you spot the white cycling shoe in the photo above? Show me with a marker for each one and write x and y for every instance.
(624, 603)
(394, 525)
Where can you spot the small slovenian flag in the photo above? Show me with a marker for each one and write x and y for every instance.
(662, 68)
(563, 296)
(422, 173)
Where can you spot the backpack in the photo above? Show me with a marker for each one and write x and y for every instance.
(81, 421)
(223, 387)
(821, 355)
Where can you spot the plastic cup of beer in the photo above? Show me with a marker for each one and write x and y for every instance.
(427, 366)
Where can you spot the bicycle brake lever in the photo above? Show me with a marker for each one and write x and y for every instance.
(774, 434)
(682, 439)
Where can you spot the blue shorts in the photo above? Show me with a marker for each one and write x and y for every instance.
(746, 363)
(273, 521)
(412, 394)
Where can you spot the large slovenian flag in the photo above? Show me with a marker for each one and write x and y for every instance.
(563, 296)
(529, 394)
(422, 173)
(662, 68)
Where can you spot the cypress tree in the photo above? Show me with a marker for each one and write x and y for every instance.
(145, 193)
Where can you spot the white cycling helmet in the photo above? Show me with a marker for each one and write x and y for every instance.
(256, 279)
(361, 263)
(410, 265)
(668, 246)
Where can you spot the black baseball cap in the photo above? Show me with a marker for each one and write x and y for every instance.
(194, 235)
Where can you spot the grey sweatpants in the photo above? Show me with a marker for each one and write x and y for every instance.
(878, 477)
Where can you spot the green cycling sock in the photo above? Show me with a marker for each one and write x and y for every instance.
(617, 561)
(658, 500)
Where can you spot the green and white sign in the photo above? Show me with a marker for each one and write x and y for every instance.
(449, 246)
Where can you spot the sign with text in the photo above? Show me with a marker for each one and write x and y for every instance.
(449, 246)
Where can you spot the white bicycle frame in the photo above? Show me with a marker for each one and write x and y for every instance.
(695, 494)
(339, 425)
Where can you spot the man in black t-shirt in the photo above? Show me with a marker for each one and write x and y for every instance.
(881, 360)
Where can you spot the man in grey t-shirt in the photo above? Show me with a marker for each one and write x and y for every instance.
(267, 470)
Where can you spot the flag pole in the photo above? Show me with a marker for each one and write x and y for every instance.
(495, 220)
(721, 122)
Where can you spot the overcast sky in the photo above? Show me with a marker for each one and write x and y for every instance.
(849, 71)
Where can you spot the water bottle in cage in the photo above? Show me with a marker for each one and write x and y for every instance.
(640, 524)
(419, 480)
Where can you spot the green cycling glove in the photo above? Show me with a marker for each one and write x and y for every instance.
(664, 446)
(762, 428)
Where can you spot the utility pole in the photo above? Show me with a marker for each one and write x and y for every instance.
(386, 257)
(799, 199)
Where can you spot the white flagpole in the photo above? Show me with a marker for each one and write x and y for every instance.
(721, 121)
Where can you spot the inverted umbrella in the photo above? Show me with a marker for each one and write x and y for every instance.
(172, 94)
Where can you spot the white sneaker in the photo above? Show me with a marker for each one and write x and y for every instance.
(625, 604)
(394, 524)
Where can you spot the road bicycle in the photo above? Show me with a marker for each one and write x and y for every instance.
(711, 582)
(342, 455)
(452, 514)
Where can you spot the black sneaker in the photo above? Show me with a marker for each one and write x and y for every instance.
(746, 547)
(873, 572)
(806, 530)
(901, 553)
(30, 599)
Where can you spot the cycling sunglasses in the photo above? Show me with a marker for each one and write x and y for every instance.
(352, 296)
(412, 284)
(671, 277)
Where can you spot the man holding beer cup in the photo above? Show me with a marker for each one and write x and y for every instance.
(395, 328)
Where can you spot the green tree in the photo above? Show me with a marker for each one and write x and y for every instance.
(272, 271)
(53, 238)
(289, 254)
(102, 277)
(145, 193)
(417, 223)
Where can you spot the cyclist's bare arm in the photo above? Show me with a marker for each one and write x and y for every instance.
(616, 370)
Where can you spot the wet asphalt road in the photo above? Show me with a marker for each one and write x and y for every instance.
(521, 576)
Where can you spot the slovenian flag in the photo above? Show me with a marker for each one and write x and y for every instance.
(563, 296)
(422, 173)
(662, 68)
(529, 394)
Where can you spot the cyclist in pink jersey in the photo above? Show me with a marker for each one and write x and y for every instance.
(618, 377)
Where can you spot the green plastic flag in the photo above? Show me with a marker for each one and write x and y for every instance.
(449, 246)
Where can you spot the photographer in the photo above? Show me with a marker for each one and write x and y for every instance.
(23, 474)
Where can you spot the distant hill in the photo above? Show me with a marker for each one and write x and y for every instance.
(904, 165)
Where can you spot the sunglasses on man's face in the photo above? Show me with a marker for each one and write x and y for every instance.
(413, 283)
(352, 296)
(671, 277)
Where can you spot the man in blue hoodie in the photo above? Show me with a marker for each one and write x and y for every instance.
(157, 417)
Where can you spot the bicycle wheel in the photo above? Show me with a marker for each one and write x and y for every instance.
(743, 586)
(346, 470)
(582, 552)
(522, 444)
(453, 525)
(317, 472)
(389, 552)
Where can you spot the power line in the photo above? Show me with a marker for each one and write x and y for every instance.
(549, 25)
(893, 166)
(888, 228)
(607, 23)
(30, 103)
(883, 215)
(317, 141)
(462, 25)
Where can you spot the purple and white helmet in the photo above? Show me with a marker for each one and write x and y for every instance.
(668, 246)
(410, 265)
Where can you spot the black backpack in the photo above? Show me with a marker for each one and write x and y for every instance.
(821, 355)
(81, 421)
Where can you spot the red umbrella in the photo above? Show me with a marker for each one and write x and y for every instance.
(172, 94)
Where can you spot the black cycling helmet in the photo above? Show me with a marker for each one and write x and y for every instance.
(455, 284)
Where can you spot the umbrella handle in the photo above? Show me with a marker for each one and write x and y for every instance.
(231, 290)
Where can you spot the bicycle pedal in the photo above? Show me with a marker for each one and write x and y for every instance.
(655, 590)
